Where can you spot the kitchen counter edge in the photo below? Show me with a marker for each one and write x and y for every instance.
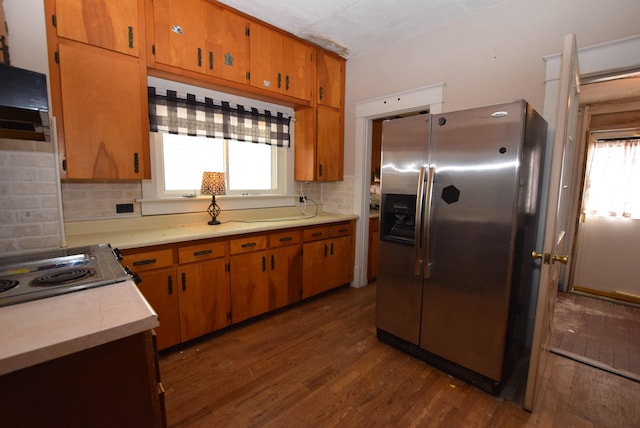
(42, 330)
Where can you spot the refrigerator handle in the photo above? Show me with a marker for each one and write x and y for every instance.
(426, 221)
(418, 222)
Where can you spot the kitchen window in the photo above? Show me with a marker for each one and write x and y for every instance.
(258, 171)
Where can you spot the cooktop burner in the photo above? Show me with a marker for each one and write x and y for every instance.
(64, 276)
(8, 284)
(49, 273)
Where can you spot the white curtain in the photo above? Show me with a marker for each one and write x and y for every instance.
(613, 179)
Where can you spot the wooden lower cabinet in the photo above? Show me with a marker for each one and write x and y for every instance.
(111, 385)
(249, 285)
(159, 288)
(202, 286)
(327, 260)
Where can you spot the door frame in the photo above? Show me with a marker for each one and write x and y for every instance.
(428, 97)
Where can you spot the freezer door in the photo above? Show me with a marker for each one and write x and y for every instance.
(476, 155)
(405, 145)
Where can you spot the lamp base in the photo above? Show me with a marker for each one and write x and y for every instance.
(213, 221)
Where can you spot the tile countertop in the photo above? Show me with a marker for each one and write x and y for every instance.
(141, 232)
(42, 330)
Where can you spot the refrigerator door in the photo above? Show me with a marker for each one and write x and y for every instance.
(405, 144)
(476, 155)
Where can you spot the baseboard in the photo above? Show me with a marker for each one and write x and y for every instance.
(617, 295)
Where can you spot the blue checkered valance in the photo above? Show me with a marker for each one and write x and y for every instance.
(187, 114)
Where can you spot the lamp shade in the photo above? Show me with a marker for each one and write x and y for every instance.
(213, 183)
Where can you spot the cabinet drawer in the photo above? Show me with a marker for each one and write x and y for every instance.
(148, 260)
(194, 253)
(342, 229)
(246, 245)
(284, 238)
(315, 233)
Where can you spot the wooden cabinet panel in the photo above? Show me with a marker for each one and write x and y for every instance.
(248, 244)
(102, 105)
(330, 142)
(180, 33)
(279, 63)
(160, 289)
(249, 285)
(280, 239)
(226, 44)
(285, 275)
(110, 24)
(194, 253)
(147, 260)
(316, 233)
(328, 263)
(298, 68)
(266, 56)
(204, 298)
(330, 80)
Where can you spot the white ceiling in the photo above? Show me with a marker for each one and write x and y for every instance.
(352, 27)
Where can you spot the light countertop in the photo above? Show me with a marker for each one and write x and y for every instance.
(42, 330)
(163, 230)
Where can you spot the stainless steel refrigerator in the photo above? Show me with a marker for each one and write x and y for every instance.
(458, 218)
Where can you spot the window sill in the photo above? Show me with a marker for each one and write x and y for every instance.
(179, 205)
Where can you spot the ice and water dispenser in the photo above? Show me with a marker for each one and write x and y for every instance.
(397, 218)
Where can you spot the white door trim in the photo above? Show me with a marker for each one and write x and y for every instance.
(428, 97)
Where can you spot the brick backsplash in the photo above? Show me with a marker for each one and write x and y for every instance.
(29, 208)
(86, 200)
(337, 196)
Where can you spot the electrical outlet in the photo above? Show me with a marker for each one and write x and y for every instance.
(302, 199)
(124, 208)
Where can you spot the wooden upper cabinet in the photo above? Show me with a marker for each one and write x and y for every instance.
(180, 33)
(226, 44)
(298, 68)
(103, 113)
(330, 144)
(330, 80)
(279, 63)
(109, 24)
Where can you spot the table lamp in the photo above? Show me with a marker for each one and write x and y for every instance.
(213, 184)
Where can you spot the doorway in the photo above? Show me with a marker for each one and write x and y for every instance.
(597, 319)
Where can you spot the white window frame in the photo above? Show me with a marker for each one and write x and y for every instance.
(156, 201)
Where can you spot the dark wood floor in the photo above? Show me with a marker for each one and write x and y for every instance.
(320, 364)
(599, 330)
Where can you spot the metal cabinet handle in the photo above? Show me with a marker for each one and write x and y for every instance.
(130, 37)
(144, 262)
(273, 262)
(249, 245)
(285, 239)
(184, 281)
(202, 253)
(264, 263)
(170, 284)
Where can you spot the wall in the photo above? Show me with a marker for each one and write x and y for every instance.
(491, 56)
(29, 203)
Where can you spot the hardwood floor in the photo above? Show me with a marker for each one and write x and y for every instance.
(320, 364)
(599, 332)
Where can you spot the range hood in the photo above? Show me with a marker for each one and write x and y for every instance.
(24, 109)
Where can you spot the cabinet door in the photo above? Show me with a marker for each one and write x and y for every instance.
(330, 141)
(179, 33)
(109, 24)
(160, 288)
(102, 97)
(330, 80)
(285, 264)
(226, 44)
(340, 266)
(314, 262)
(297, 66)
(249, 285)
(204, 298)
(266, 54)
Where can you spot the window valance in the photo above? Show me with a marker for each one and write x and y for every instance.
(187, 114)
